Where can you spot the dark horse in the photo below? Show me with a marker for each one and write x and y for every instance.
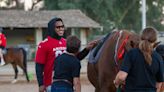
(102, 73)
(17, 57)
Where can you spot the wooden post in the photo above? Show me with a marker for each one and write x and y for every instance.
(72, 31)
(83, 38)
(38, 35)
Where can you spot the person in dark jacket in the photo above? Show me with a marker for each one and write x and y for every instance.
(160, 50)
(51, 47)
(143, 68)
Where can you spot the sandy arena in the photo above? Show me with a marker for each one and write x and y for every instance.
(7, 75)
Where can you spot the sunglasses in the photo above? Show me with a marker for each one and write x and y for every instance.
(62, 26)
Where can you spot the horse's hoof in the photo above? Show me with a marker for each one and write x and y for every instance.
(14, 81)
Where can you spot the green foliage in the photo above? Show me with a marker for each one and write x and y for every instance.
(122, 14)
(51, 4)
(154, 14)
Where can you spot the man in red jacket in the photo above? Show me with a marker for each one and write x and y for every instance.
(48, 49)
(2, 46)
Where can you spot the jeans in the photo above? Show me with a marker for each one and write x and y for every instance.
(57, 88)
(61, 89)
(48, 89)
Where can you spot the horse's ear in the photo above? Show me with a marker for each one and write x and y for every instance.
(156, 44)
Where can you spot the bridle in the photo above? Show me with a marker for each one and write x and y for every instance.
(120, 50)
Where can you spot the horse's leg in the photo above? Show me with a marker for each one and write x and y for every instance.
(92, 74)
(106, 84)
(107, 88)
(106, 80)
(16, 72)
(24, 70)
(97, 90)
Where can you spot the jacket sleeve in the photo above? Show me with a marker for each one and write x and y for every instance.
(81, 55)
(39, 73)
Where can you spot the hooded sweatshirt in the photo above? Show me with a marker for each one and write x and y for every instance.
(51, 28)
(42, 64)
(47, 51)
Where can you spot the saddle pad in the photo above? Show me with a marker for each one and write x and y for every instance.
(94, 54)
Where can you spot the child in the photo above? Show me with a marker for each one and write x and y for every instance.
(67, 68)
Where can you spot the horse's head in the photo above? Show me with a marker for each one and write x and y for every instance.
(133, 41)
(127, 41)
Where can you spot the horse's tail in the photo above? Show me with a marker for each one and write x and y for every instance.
(24, 58)
(25, 63)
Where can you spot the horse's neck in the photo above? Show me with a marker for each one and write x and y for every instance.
(112, 46)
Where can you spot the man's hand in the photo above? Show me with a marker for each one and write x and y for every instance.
(92, 44)
(42, 88)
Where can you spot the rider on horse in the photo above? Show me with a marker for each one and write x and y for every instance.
(2, 46)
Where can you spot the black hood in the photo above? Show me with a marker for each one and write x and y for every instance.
(51, 28)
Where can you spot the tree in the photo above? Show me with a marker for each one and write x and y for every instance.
(21, 4)
(114, 13)
(154, 14)
(122, 14)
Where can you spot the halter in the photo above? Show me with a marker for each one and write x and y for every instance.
(119, 51)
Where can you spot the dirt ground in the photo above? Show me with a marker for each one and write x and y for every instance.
(23, 86)
(7, 75)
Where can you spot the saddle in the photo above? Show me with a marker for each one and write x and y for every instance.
(94, 54)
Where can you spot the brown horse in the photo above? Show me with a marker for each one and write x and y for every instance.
(17, 57)
(102, 73)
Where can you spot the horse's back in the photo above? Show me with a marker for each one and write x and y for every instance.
(106, 67)
(14, 55)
